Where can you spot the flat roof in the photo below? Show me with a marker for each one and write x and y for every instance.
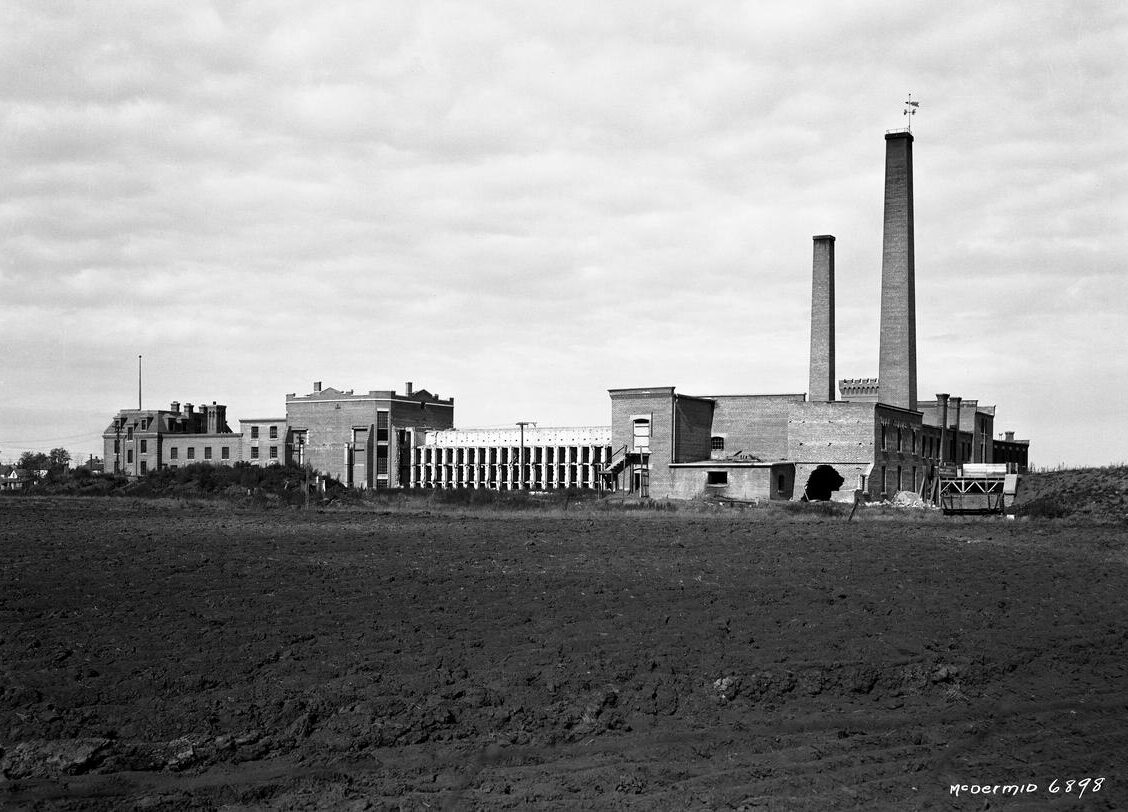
(729, 464)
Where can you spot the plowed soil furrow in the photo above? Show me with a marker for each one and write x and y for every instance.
(164, 656)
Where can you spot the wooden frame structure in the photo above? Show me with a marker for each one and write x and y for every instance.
(637, 467)
(972, 490)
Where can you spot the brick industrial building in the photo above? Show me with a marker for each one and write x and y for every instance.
(364, 440)
(141, 440)
(874, 432)
(876, 435)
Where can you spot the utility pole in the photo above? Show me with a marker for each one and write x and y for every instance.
(521, 465)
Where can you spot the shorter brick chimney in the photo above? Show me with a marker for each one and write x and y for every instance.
(942, 417)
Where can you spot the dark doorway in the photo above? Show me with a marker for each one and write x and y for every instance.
(823, 481)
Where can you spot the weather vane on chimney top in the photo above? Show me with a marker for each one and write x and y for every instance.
(910, 110)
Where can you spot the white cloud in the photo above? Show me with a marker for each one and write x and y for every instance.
(523, 204)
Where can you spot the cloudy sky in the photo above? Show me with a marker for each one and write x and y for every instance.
(524, 204)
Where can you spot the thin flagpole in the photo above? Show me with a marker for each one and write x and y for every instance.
(138, 383)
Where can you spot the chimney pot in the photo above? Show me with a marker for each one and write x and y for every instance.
(410, 388)
(1010, 436)
(317, 386)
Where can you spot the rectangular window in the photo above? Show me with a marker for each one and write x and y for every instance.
(254, 452)
(254, 432)
(191, 453)
(144, 446)
(225, 453)
(144, 466)
(274, 452)
(642, 435)
(207, 452)
(174, 453)
(717, 443)
(381, 426)
(883, 447)
(382, 460)
(900, 441)
(129, 433)
(716, 478)
(274, 432)
(129, 455)
(117, 446)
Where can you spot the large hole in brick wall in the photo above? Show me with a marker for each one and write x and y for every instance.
(822, 482)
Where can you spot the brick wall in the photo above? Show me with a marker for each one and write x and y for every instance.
(175, 449)
(256, 434)
(900, 451)
(754, 424)
(329, 425)
(344, 436)
(694, 428)
(656, 404)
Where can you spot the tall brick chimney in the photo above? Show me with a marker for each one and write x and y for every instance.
(897, 366)
(821, 386)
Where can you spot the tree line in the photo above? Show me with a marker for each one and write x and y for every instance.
(55, 461)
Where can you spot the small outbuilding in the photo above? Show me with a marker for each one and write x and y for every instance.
(732, 479)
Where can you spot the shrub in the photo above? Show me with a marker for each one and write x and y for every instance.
(1050, 506)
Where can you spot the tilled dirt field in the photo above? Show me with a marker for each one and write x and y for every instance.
(157, 656)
